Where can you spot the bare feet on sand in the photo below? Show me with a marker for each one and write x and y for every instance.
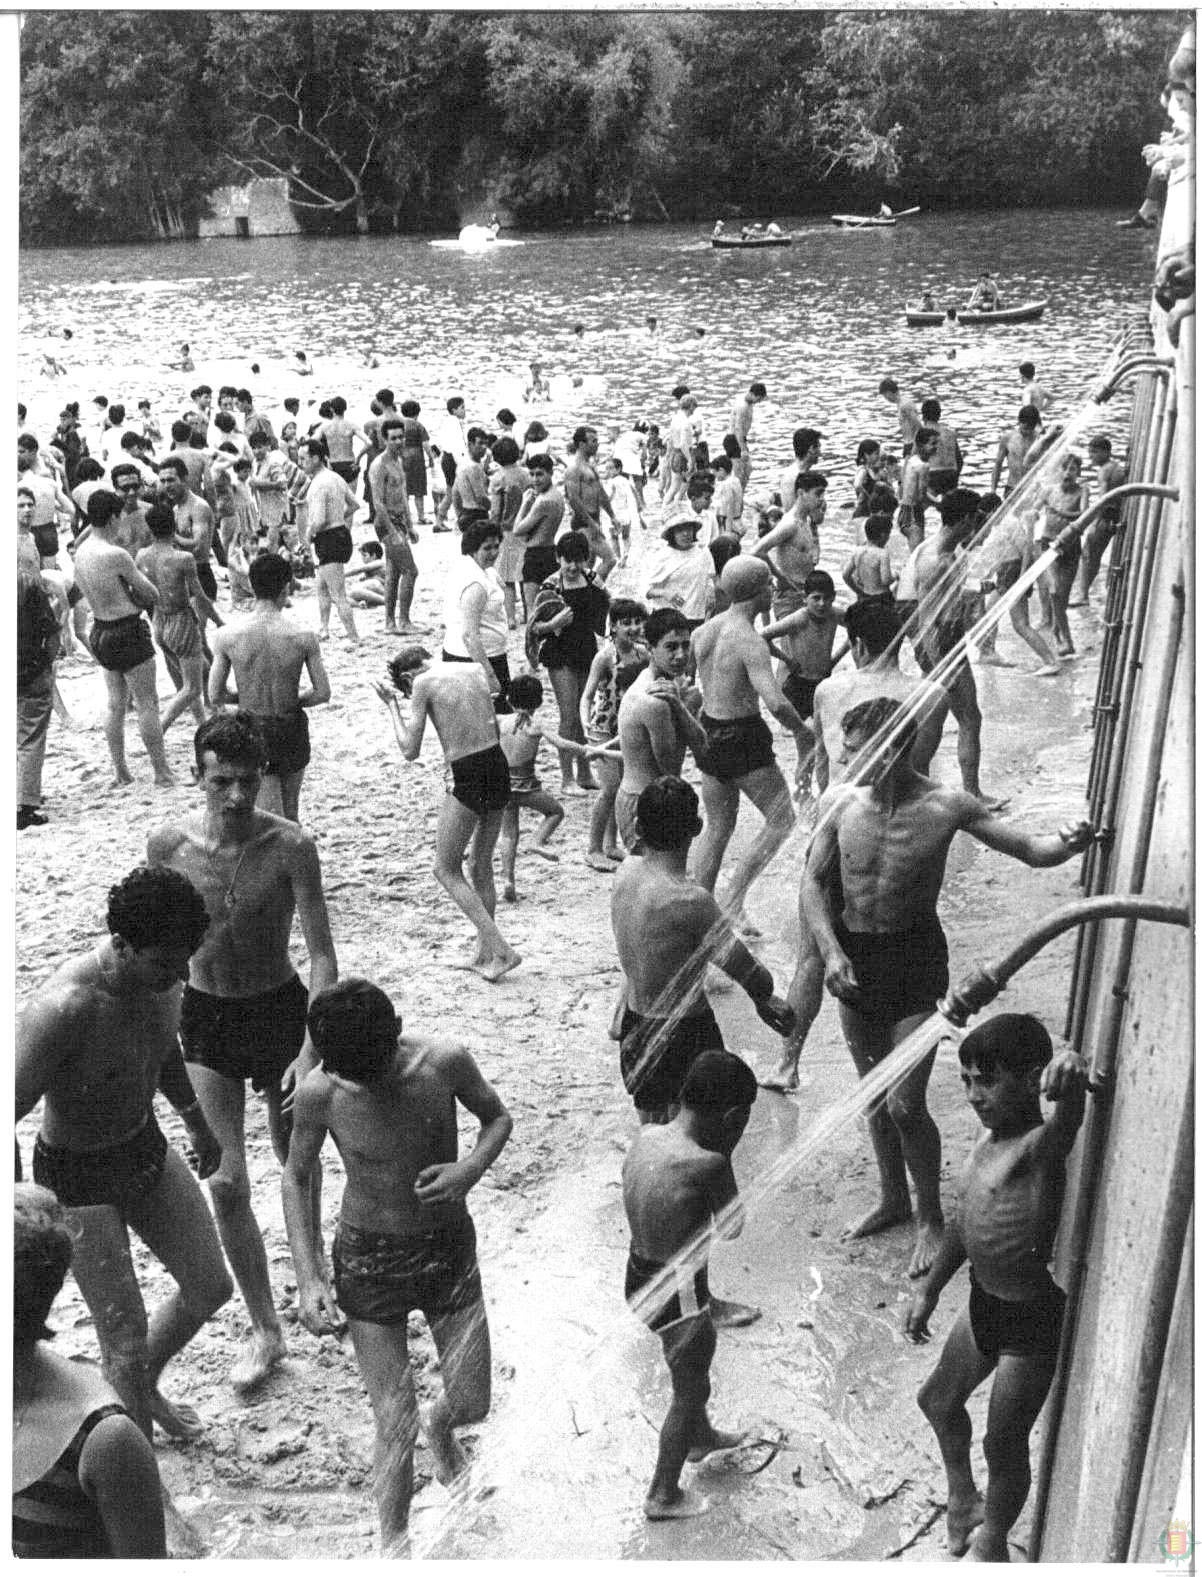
(165, 780)
(717, 1441)
(989, 1550)
(926, 1246)
(449, 1458)
(962, 1518)
(992, 660)
(544, 853)
(492, 969)
(600, 862)
(175, 1418)
(733, 1315)
(889, 1213)
(685, 1503)
(783, 1078)
(262, 1353)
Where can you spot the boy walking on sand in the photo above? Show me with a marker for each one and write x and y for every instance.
(1005, 1227)
(679, 1190)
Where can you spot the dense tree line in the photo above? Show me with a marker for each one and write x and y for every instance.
(394, 120)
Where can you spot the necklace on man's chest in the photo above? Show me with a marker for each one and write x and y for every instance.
(229, 898)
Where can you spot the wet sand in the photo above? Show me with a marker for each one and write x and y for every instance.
(579, 1389)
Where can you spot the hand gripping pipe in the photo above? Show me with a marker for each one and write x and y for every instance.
(1127, 490)
(978, 989)
(1161, 366)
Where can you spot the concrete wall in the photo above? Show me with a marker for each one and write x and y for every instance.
(258, 208)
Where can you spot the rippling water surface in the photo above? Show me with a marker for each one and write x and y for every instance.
(820, 322)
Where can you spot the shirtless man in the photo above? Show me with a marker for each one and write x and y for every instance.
(791, 548)
(807, 451)
(934, 576)
(873, 634)
(119, 639)
(193, 522)
(267, 653)
(456, 700)
(328, 510)
(394, 527)
(667, 929)
(655, 727)
(95, 1042)
(869, 893)
(908, 417)
(741, 417)
(405, 1238)
(538, 520)
(587, 499)
(129, 529)
(243, 1011)
(735, 671)
(182, 603)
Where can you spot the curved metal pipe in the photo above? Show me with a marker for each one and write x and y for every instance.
(1127, 490)
(1160, 366)
(978, 989)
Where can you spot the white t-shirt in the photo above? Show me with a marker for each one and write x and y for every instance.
(494, 629)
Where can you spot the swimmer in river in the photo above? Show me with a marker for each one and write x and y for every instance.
(405, 1239)
(456, 699)
(94, 1043)
(1005, 1228)
(678, 1183)
(242, 1016)
(267, 653)
(870, 891)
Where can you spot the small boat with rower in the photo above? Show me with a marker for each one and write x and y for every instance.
(1025, 312)
(885, 220)
(750, 238)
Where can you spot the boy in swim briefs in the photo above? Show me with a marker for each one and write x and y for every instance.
(679, 1190)
(405, 1240)
(1005, 1227)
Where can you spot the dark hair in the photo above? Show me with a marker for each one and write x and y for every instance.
(160, 520)
(116, 414)
(661, 622)
(227, 391)
(717, 1081)
(244, 396)
(804, 439)
(878, 528)
(477, 534)
(454, 400)
(391, 424)
(723, 548)
(1011, 1042)
(882, 500)
(874, 623)
(172, 462)
(760, 389)
(886, 386)
(505, 417)
(338, 405)
(354, 1029)
(580, 436)
(679, 392)
(474, 435)
(505, 451)
(155, 906)
(125, 469)
(132, 440)
(958, 505)
(43, 1244)
(525, 692)
(27, 492)
(541, 462)
(623, 609)
(410, 408)
(371, 550)
(21, 412)
(258, 435)
(867, 446)
(225, 422)
(231, 736)
(925, 435)
(1096, 443)
(575, 548)
(201, 388)
(314, 446)
(102, 506)
(667, 813)
(181, 432)
(403, 664)
(877, 719)
(818, 580)
(1030, 416)
(292, 404)
(723, 463)
(28, 442)
(270, 574)
(931, 410)
(386, 397)
(811, 481)
(1026, 369)
(613, 460)
(535, 432)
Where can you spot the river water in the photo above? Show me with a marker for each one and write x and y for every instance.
(821, 322)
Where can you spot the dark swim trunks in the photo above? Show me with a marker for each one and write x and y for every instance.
(901, 973)
(382, 1276)
(1030, 1329)
(539, 563)
(287, 742)
(735, 746)
(121, 1175)
(690, 1298)
(799, 692)
(46, 538)
(481, 781)
(251, 1038)
(121, 644)
(207, 579)
(655, 1054)
(334, 545)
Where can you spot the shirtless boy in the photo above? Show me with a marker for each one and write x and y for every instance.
(95, 1042)
(537, 524)
(679, 1190)
(267, 653)
(456, 700)
(117, 593)
(736, 675)
(1005, 1227)
(405, 1240)
(791, 547)
(243, 1011)
(869, 892)
(182, 604)
(807, 656)
(655, 727)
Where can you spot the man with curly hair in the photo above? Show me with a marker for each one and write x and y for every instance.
(94, 1043)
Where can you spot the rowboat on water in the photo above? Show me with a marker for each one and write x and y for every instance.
(1026, 312)
(749, 243)
(870, 221)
